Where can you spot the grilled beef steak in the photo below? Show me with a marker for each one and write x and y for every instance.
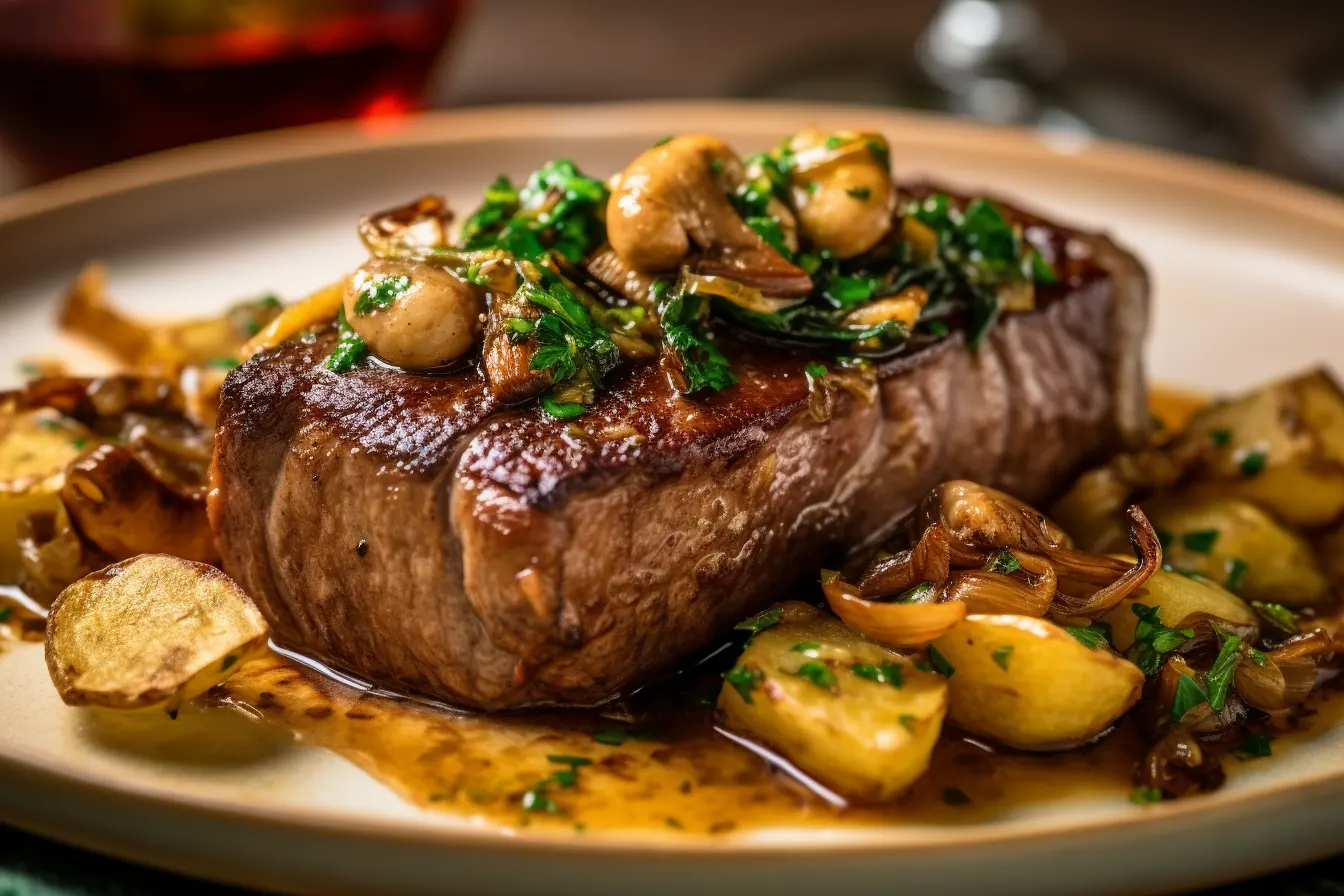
(418, 533)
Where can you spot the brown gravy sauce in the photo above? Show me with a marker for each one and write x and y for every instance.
(655, 762)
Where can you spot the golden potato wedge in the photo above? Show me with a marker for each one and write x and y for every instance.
(1241, 547)
(1281, 447)
(858, 717)
(34, 452)
(1176, 598)
(1029, 684)
(149, 630)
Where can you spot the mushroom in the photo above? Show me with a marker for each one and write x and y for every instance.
(842, 189)
(406, 229)
(413, 315)
(675, 196)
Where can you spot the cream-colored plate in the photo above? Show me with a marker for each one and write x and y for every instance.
(1249, 276)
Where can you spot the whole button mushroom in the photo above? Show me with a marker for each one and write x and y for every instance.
(413, 315)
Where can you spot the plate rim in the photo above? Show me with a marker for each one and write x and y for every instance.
(615, 120)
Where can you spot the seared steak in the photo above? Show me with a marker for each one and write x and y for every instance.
(414, 531)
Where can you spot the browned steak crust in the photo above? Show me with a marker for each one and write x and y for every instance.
(413, 531)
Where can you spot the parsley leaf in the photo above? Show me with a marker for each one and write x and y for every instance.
(1253, 463)
(1219, 677)
(1254, 746)
(557, 209)
(940, 663)
(1200, 541)
(1005, 563)
(1143, 796)
(570, 345)
(1152, 639)
(761, 621)
(863, 194)
(954, 797)
(1002, 655)
(743, 680)
(1092, 637)
(350, 348)
(1277, 615)
(701, 364)
(887, 673)
(1188, 695)
(818, 673)
(1236, 574)
(381, 292)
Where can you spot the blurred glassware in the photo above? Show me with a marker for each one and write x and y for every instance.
(1316, 112)
(84, 82)
(998, 61)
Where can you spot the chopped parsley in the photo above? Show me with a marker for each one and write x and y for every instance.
(1152, 639)
(571, 347)
(887, 673)
(1277, 615)
(1002, 655)
(863, 194)
(612, 737)
(1143, 796)
(815, 370)
(818, 673)
(921, 593)
(6, 612)
(1200, 541)
(743, 680)
(761, 621)
(807, 648)
(1254, 746)
(1221, 438)
(224, 666)
(537, 798)
(1253, 463)
(557, 209)
(1092, 637)
(1005, 563)
(381, 292)
(222, 363)
(908, 721)
(1219, 677)
(686, 339)
(1189, 694)
(350, 349)
(940, 663)
(834, 141)
(1236, 574)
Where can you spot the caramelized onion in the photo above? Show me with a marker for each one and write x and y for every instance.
(985, 591)
(893, 624)
(1073, 570)
(1177, 765)
(927, 561)
(749, 297)
(981, 519)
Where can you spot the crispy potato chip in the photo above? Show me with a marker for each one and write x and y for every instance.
(149, 630)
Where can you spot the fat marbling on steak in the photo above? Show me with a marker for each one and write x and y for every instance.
(412, 530)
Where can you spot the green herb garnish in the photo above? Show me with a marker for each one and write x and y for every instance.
(761, 621)
(612, 737)
(743, 680)
(686, 337)
(1143, 796)
(887, 673)
(1005, 563)
(1189, 694)
(1092, 637)
(808, 648)
(1236, 574)
(1221, 438)
(819, 674)
(350, 348)
(381, 292)
(908, 721)
(557, 209)
(940, 663)
(6, 612)
(921, 593)
(863, 194)
(1219, 677)
(1200, 541)
(815, 370)
(1002, 655)
(1254, 746)
(1277, 615)
(1152, 639)
(1253, 463)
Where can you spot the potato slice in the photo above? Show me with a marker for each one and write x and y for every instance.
(864, 721)
(34, 452)
(1176, 598)
(1281, 447)
(147, 630)
(1233, 542)
(1027, 683)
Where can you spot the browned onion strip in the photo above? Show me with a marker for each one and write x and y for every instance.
(895, 625)
(927, 561)
(1146, 547)
(981, 519)
(991, 592)
(1178, 766)
(1277, 685)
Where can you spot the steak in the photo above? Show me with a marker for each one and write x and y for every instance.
(414, 531)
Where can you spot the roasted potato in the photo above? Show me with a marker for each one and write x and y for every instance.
(34, 451)
(1281, 447)
(1028, 683)
(1241, 547)
(858, 717)
(1176, 598)
(150, 630)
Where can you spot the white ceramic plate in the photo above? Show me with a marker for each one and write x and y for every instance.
(1249, 279)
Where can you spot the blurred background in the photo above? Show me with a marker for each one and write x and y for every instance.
(1256, 82)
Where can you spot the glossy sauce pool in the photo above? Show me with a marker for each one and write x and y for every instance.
(656, 762)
